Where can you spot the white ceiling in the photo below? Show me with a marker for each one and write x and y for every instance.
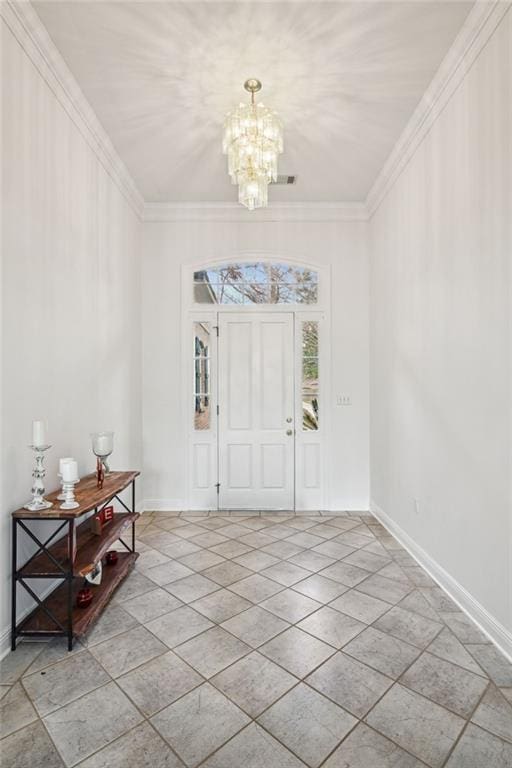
(344, 76)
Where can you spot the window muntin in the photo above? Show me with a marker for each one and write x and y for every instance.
(309, 379)
(256, 283)
(202, 378)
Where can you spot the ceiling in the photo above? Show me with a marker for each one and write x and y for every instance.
(344, 76)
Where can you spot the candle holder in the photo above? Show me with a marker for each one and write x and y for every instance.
(68, 491)
(62, 496)
(38, 501)
(102, 446)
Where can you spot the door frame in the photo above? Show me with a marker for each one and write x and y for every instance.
(206, 443)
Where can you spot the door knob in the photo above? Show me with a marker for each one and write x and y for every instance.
(289, 432)
(289, 420)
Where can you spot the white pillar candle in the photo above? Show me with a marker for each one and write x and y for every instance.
(38, 433)
(64, 461)
(70, 471)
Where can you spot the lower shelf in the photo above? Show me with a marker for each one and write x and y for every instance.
(57, 602)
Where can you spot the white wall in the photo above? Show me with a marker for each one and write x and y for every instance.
(441, 249)
(70, 291)
(168, 246)
(440, 326)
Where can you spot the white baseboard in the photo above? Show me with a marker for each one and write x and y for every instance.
(179, 505)
(5, 642)
(495, 631)
(161, 505)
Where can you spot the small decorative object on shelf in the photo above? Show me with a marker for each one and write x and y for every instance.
(112, 557)
(100, 473)
(61, 496)
(100, 519)
(84, 597)
(102, 446)
(96, 524)
(94, 576)
(69, 479)
(39, 446)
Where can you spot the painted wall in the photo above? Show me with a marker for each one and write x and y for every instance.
(70, 294)
(441, 247)
(168, 246)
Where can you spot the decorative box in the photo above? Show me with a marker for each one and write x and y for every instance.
(101, 519)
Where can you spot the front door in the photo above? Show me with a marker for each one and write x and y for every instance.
(256, 411)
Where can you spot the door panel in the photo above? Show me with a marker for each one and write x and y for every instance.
(256, 411)
(239, 382)
(201, 463)
(311, 464)
(273, 466)
(239, 465)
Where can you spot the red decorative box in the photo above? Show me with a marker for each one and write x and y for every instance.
(104, 517)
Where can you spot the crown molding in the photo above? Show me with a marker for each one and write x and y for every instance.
(31, 34)
(234, 212)
(26, 26)
(482, 21)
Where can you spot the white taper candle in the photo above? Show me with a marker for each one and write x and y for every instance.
(38, 433)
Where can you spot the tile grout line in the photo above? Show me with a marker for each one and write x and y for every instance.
(323, 604)
(235, 593)
(304, 681)
(363, 719)
(465, 726)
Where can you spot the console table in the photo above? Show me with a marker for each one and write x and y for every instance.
(71, 557)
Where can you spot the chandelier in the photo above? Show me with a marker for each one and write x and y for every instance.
(253, 138)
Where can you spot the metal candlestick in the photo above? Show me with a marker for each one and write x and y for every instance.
(38, 473)
(68, 490)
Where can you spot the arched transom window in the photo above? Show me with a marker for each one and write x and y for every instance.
(256, 283)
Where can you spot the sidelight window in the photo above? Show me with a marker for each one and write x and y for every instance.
(310, 393)
(202, 381)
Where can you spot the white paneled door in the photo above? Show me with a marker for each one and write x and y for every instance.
(256, 439)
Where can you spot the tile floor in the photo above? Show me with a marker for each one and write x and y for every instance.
(264, 641)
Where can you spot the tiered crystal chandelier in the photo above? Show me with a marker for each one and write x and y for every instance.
(253, 138)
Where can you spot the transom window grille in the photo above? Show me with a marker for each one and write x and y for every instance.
(310, 375)
(256, 283)
(202, 383)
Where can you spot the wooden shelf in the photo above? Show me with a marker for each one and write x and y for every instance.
(90, 548)
(58, 614)
(87, 494)
(38, 622)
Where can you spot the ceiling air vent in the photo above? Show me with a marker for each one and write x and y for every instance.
(283, 179)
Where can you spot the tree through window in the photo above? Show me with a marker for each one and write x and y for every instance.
(256, 283)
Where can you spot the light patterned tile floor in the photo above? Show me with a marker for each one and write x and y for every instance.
(249, 640)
